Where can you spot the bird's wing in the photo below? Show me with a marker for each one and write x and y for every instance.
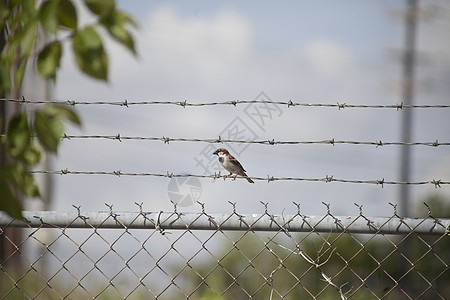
(236, 162)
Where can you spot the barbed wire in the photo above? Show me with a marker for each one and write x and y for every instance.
(327, 178)
(220, 140)
(185, 103)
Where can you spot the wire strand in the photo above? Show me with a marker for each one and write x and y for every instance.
(185, 103)
(382, 182)
(219, 140)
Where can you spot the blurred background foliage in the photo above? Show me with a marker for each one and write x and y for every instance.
(376, 260)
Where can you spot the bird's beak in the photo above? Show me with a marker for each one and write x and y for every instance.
(216, 152)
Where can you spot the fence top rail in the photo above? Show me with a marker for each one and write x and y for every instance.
(327, 223)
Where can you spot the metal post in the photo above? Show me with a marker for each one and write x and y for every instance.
(407, 93)
(405, 167)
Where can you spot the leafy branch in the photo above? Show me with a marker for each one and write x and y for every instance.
(25, 152)
(32, 32)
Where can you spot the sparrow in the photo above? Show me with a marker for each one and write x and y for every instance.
(231, 164)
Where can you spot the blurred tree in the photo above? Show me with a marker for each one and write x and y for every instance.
(439, 206)
(23, 23)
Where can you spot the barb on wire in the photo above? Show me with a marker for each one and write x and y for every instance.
(332, 141)
(269, 178)
(185, 103)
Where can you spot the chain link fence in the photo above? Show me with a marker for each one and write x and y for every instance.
(173, 255)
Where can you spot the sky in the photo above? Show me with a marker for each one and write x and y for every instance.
(206, 51)
(304, 51)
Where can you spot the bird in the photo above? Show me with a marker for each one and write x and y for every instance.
(231, 164)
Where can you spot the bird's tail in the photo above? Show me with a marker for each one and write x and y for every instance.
(248, 179)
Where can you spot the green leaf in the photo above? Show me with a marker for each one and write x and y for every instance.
(29, 38)
(21, 44)
(48, 17)
(4, 12)
(67, 14)
(31, 155)
(115, 23)
(8, 54)
(87, 39)
(20, 72)
(8, 202)
(30, 187)
(18, 134)
(49, 59)
(66, 113)
(89, 53)
(49, 129)
(101, 7)
(5, 79)
(28, 8)
(126, 18)
(20, 178)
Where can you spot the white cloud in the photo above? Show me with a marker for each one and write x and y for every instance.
(226, 32)
(328, 58)
(191, 49)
